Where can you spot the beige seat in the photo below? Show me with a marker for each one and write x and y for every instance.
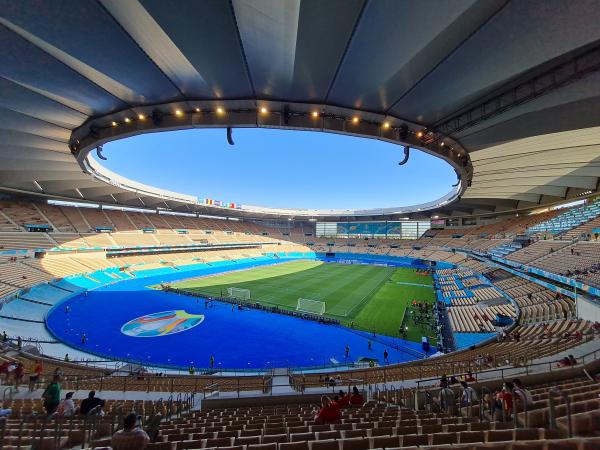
(302, 437)
(218, 442)
(415, 439)
(271, 446)
(498, 435)
(528, 445)
(354, 433)
(444, 438)
(412, 429)
(382, 431)
(467, 437)
(328, 444)
(299, 445)
(190, 444)
(247, 440)
(479, 426)
(176, 437)
(222, 434)
(323, 435)
(277, 438)
(354, 444)
(161, 446)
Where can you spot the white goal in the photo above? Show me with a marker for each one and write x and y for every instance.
(311, 306)
(238, 293)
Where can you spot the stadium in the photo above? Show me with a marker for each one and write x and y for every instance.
(469, 320)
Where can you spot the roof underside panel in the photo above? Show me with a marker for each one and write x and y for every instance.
(519, 37)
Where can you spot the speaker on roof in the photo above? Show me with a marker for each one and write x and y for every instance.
(157, 117)
(230, 136)
(286, 115)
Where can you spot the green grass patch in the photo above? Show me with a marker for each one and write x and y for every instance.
(372, 298)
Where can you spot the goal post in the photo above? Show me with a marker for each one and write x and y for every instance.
(238, 293)
(311, 306)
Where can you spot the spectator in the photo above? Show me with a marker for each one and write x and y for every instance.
(18, 375)
(51, 395)
(329, 412)
(526, 393)
(90, 403)
(67, 406)
(4, 369)
(356, 399)
(567, 361)
(469, 395)
(4, 412)
(504, 400)
(344, 400)
(131, 437)
(469, 377)
(444, 381)
(38, 370)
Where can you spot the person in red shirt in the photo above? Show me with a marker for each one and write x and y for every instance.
(329, 412)
(38, 370)
(344, 400)
(356, 399)
(504, 399)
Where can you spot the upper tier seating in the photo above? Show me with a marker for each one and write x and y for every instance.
(568, 219)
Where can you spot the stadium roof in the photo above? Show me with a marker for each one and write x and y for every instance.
(514, 85)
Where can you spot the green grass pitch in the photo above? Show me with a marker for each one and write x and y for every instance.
(372, 298)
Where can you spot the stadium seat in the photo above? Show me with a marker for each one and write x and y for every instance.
(385, 441)
(294, 445)
(354, 444)
(415, 440)
(467, 437)
(274, 438)
(269, 446)
(328, 444)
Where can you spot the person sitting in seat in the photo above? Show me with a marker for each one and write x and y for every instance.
(469, 377)
(344, 400)
(91, 403)
(356, 399)
(329, 412)
(567, 361)
(67, 406)
(131, 436)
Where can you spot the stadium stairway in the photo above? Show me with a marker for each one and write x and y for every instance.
(280, 382)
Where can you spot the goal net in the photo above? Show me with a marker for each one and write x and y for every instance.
(311, 306)
(238, 293)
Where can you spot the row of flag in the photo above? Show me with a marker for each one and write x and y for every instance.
(210, 201)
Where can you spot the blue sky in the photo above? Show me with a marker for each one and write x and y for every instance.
(281, 168)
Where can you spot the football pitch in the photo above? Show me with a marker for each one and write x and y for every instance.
(366, 297)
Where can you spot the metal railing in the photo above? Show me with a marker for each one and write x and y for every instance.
(514, 371)
(483, 403)
(555, 391)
